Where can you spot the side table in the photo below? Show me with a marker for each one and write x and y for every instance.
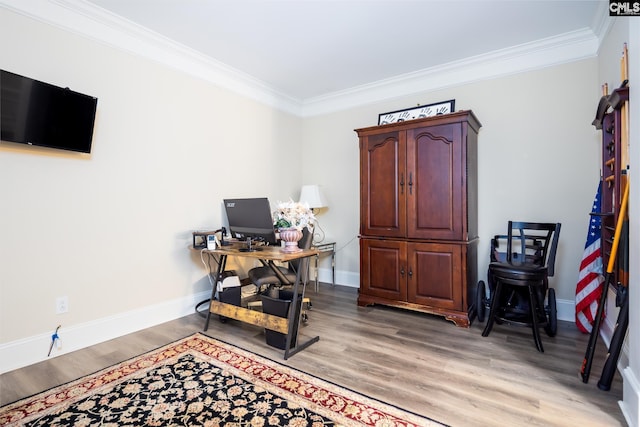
(324, 248)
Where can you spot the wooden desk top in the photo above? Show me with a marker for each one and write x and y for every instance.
(269, 253)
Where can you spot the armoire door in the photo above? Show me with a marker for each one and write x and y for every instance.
(435, 275)
(383, 185)
(383, 269)
(436, 183)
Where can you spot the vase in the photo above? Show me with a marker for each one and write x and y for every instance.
(290, 237)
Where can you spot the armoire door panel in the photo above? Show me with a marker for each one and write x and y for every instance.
(383, 182)
(435, 202)
(435, 277)
(383, 268)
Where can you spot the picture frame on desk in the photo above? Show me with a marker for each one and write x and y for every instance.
(200, 238)
(419, 112)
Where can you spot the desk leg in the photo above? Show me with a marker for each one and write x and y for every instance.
(294, 320)
(221, 266)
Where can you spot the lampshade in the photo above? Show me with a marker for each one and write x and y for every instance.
(312, 195)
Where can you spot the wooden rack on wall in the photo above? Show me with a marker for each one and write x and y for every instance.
(612, 118)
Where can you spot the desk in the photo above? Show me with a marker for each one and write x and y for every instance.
(268, 256)
(324, 248)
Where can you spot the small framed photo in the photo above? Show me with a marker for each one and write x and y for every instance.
(419, 112)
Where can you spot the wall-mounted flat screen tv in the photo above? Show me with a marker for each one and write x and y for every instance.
(37, 113)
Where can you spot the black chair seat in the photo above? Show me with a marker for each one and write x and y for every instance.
(264, 275)
(519, 272)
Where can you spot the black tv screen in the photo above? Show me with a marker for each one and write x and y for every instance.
(250, 218)
(37, 113)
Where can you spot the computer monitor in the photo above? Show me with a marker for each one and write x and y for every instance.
(251, 218)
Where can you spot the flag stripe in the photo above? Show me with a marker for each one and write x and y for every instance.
(589, 259)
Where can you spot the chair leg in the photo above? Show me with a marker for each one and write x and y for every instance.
(495, 302)
(533, 307)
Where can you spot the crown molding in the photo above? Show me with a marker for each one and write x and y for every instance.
(602, 22)
(556, 50)
(88, 20)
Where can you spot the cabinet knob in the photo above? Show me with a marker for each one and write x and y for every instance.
(401, 183)
(410, 273)
(402, 271)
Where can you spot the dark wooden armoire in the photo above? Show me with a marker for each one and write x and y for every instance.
(418, 215)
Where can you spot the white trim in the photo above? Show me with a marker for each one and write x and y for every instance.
(346, 278)
(569, 47)
(566, 308)
(630, 406)
(27, 351)
(602, 22)
(89, 20)
(343, 278)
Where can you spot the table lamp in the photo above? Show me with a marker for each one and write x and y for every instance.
(312, 196)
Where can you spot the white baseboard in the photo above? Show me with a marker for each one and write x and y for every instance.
(566, 308)
(630, 405)
(34, 349)
(27, 351)
(344, 278)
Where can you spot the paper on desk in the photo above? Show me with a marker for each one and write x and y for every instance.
(228, 282)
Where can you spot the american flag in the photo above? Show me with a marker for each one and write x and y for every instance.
(590, 278)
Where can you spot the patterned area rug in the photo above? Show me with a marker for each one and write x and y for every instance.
(200, 381)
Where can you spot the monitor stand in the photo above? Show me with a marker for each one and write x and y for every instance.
(250, 247)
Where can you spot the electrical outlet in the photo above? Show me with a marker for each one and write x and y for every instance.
(62, 305)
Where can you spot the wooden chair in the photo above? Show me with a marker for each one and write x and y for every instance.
(520, 279)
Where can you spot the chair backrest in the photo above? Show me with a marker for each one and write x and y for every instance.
(533, 242)
(307, 237)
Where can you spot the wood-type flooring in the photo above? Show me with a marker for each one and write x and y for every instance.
(419, 362)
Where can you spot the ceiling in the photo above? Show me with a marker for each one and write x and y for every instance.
(309, 51)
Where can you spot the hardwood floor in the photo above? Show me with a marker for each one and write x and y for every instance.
(415, 361)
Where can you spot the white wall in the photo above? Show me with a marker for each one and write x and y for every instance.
(111, 230)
